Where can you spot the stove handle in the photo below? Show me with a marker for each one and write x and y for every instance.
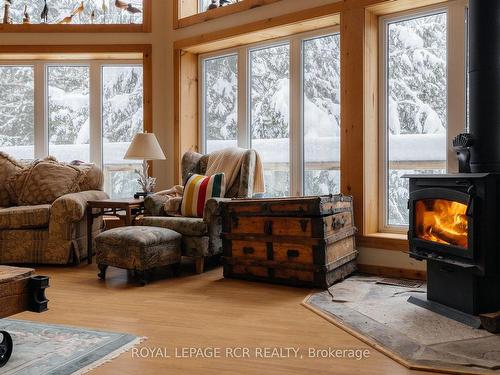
(471, 191)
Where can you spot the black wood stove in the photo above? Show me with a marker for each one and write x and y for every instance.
(455, 218)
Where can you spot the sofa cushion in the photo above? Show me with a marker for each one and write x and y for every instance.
(92, 177)
(8, 168)
(25, 217)
(43, 182)
(198, 190)
(187, 226)
(140, 236)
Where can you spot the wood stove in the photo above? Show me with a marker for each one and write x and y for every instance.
(454, 227)
(455, 218)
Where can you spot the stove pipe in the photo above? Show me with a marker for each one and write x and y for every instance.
(484, 84)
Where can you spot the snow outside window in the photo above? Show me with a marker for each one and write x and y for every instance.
(321, 106)
(105, 11)
(269, 115)
(68, 112)
(122, 118)
(415, 105)
(87, 111)
(17, 129)
(220, 101)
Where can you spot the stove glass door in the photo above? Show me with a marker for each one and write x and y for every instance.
(442, 221)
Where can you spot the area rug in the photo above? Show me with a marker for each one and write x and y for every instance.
(58, 350)
(379, 315)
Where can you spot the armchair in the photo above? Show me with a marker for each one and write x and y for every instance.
(201, 236)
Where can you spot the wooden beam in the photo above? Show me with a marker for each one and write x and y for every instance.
(352, 108)
(195, 18)
(269, 28)
(371, 126)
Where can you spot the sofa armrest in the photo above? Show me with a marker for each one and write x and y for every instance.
(212, 211)
(153, 204)
(72, 207)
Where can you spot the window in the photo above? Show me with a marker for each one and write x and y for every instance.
(321, 106)
(283, 100)
(416, 105)
(68, 112)
(269, 115)
(86, 111)
(122, 118)
(220, 101)
(17, 117)
(103, 11)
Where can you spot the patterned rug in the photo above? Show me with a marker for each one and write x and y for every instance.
(381, 316)
(58, 350)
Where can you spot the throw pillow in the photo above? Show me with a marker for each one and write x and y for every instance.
(198, 190)
(8, 168)
(92, 177)
(44, 182)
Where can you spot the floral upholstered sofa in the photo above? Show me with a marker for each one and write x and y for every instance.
(43, 210)
(201, 236)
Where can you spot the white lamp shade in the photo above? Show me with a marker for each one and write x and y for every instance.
(145, 146)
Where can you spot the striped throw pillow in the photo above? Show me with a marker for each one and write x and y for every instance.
(198, 190)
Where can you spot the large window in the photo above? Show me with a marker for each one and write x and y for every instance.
(68, 112)
(122, 118)
(17, 116)
(283, 100)
(86, 112)
(270, 114)
(220, 102)
(321, 106)
(415, 103)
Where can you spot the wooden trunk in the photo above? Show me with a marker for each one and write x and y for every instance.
(21, 291)
(295, 241)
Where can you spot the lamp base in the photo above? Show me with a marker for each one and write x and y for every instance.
(141, 194)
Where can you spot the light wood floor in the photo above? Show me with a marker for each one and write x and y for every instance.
(202, 311)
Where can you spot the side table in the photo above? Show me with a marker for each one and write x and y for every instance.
(125, 209)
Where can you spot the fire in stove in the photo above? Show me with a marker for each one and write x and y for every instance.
(442, 221)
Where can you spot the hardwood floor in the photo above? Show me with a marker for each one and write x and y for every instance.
(202, 311)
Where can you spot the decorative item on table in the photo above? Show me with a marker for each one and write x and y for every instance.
(6, 12)
(105, 9)
(213, 5)
(462, 144)
(220, 3)
(127, 7)
(45, 13)
(145, 147)
(77, 12)
(26, 16)
(226, 2)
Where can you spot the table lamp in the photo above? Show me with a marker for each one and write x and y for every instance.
(145, 147)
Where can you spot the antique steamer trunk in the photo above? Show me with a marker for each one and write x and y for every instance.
(305, 241)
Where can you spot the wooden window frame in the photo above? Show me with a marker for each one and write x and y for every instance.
(181, 20)
(373, 233)
(456, 96)
(145, 27)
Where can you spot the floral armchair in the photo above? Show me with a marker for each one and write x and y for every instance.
(201, 236)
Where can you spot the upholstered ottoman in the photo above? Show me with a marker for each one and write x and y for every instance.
(138, 249)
